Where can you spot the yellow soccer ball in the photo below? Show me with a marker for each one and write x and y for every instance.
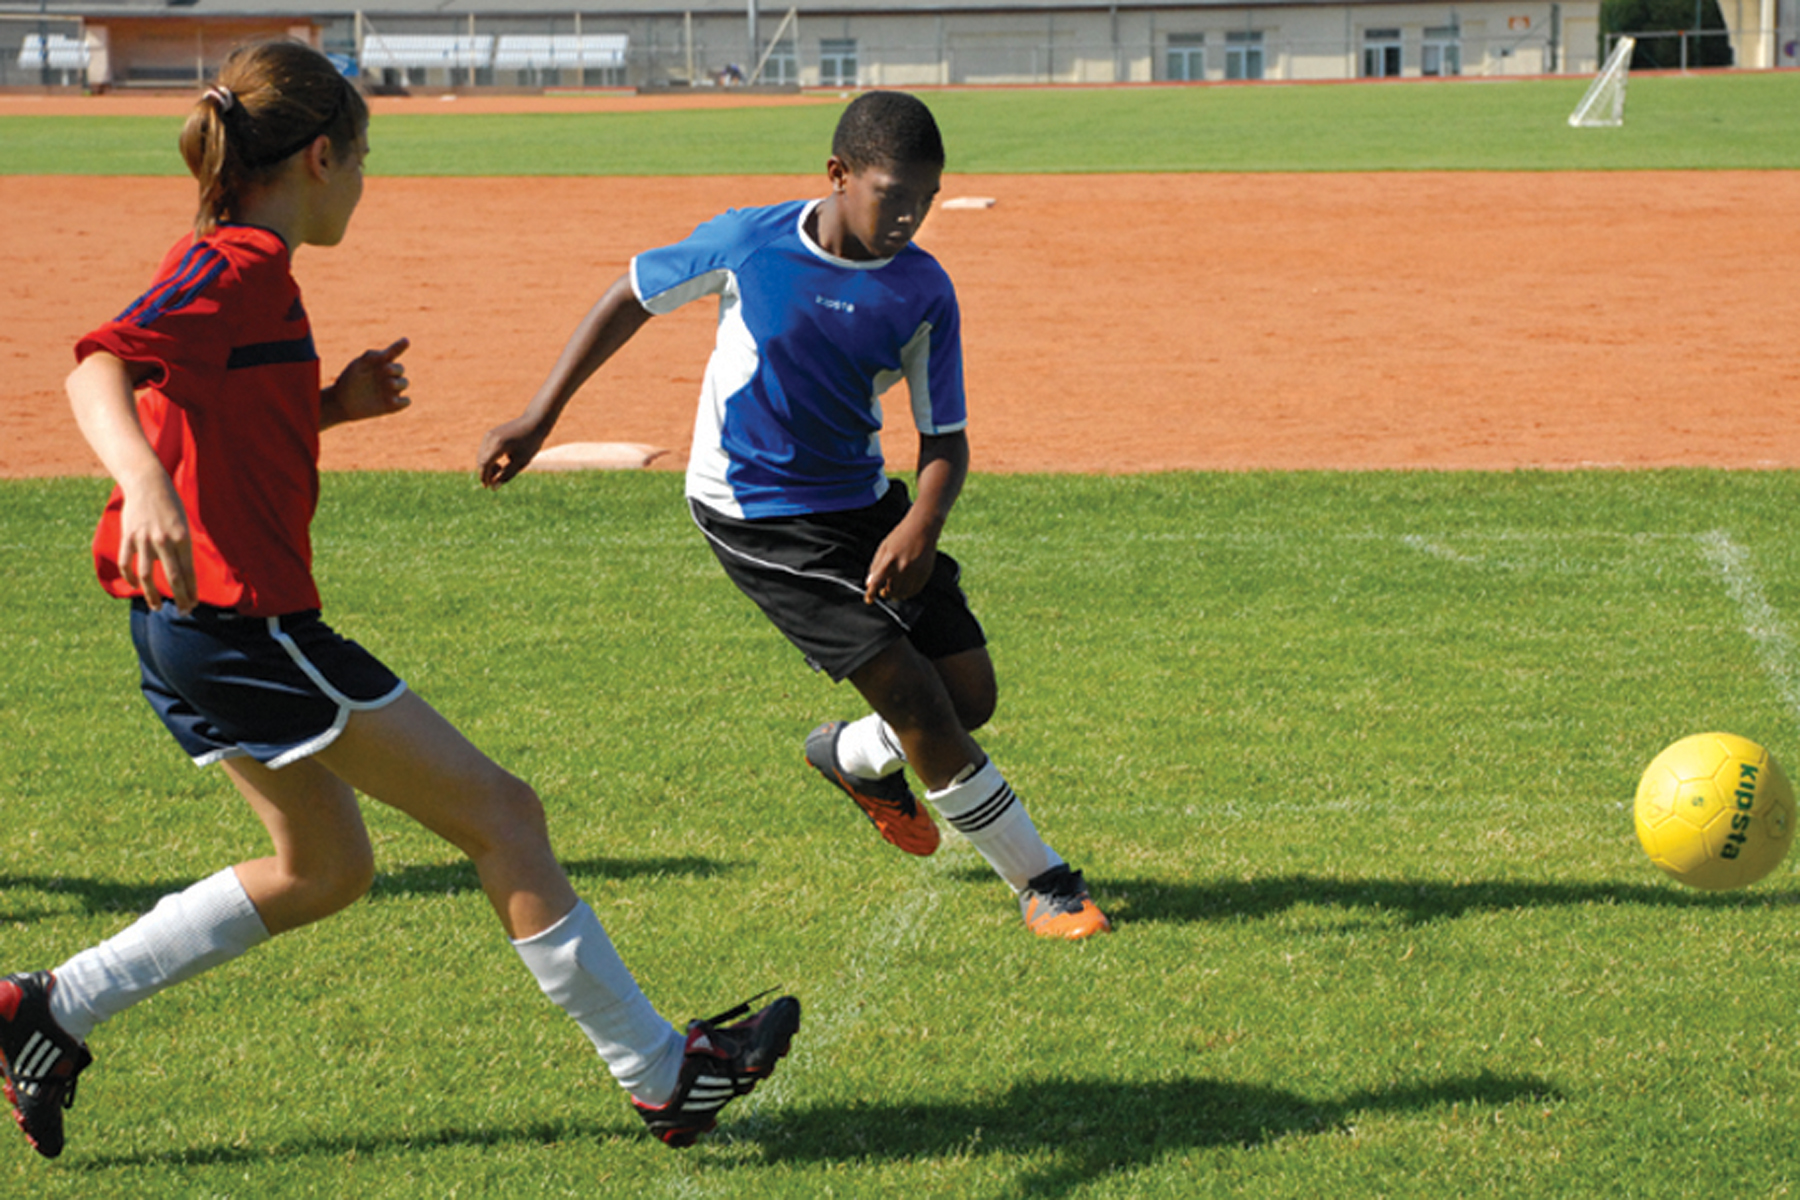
(1715, 811)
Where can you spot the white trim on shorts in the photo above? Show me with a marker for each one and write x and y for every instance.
(345, 705)
(826, 576)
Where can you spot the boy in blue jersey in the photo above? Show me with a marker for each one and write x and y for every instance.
(823, 306)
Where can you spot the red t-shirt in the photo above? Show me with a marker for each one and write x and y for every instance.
(232, 407)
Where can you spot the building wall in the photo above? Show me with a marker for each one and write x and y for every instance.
(1484, 38)
(178, 50)
(1496, 38)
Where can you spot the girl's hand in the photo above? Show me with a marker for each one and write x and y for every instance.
(508, 449)
(373, 385)
(153, 532)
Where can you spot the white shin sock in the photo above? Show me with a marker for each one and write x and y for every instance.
(575, 964)
(983, 808)
(188, 932)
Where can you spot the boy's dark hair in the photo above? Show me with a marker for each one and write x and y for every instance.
(887, 129)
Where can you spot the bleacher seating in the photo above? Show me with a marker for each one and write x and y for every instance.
(381, 50)
(57, 51)
(559, 51)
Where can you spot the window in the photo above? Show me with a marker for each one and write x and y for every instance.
(1381, 53)
(1187, 56)
(837, 62)
(782, 65)
(1441, 53)
(1243, 55)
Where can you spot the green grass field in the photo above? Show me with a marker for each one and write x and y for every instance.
(1348, 757)
(1699, 122)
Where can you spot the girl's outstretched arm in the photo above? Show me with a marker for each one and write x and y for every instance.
(508, 449)
(373, 385)
(153, 527)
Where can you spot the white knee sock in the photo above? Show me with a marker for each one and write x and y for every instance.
(210, 923)
(983, 808)
(576, 965)
(869, 748)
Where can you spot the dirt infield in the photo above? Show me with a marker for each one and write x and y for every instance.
(1113, 323)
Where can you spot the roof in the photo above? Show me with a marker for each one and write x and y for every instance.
(601, 11)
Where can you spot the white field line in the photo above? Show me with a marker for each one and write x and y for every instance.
(860, 990)
(1438, 550)
(1775, 649)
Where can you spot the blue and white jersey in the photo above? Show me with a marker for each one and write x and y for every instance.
(790, 410)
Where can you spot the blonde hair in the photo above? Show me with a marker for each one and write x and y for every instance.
(271, 100)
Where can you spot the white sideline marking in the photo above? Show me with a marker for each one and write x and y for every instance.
(864, 978)
(1774, 644)
(828, 1017)
(1438, 550)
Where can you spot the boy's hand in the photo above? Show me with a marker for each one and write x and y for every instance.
(508, 449)
(373, 385)
(902, 564)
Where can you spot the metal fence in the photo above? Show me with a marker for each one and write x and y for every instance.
(403, 53)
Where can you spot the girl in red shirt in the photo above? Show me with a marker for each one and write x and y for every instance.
(203, 400)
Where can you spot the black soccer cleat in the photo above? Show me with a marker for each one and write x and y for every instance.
(719, 1065)
(39, 1060)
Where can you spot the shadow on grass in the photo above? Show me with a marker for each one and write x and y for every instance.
(1072, 1131)
(1094, 1128)
(106, 896)
(1413, 901)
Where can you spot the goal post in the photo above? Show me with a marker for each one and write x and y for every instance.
(1604, 103)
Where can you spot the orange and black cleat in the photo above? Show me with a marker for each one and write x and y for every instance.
(888, 803)
(1056, 904)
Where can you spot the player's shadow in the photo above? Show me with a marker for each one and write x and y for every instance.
(1096, 1127)
(1408, 901)
(1072, 1131)
(460, 876)
(106, 896)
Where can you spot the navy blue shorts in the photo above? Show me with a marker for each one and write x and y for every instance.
(274, 688)
(806, 573)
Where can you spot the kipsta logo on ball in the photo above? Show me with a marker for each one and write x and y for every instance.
(1715, 811)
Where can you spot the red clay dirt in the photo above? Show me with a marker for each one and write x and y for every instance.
(1112, 323)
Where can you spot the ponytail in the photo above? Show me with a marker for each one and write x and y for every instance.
(271, 101)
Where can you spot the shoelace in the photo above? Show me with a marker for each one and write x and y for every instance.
(733, 1013)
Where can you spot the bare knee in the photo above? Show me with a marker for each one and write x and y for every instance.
(289, 893)
(975, 709)
(348, 880)
(509, 818)
(969, 680)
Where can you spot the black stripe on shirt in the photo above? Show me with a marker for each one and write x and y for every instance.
(267, 354)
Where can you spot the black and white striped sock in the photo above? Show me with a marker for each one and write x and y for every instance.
(983, 808)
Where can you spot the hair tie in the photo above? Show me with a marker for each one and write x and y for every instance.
(221, 95)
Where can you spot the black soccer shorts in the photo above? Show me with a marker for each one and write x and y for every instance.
(807, 575)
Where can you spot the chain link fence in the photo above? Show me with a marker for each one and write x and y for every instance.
(403, 53)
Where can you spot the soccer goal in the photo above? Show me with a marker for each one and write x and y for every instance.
(1604, 103)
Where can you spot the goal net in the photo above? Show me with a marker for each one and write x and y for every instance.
(1604, 103)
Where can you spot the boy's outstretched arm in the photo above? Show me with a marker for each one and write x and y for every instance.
(508, 449)
(903, 562)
